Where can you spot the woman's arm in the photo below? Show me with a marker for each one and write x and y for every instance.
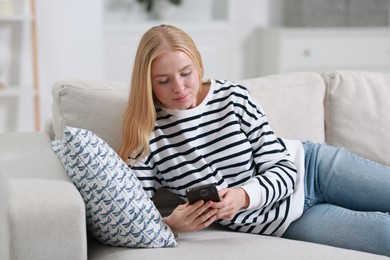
(275, 175)
(146, 173)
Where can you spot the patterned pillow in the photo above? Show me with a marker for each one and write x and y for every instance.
(119, 212)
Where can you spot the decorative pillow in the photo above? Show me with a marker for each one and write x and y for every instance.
(119, 212)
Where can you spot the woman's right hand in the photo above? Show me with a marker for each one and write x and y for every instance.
(194, 217)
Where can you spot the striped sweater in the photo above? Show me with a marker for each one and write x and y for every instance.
(225, 140)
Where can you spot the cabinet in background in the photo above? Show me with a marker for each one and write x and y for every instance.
(284, 50)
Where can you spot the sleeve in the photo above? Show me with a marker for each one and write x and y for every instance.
(275, 173)
(147, 174)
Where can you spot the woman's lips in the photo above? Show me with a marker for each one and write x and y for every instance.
(181, 98)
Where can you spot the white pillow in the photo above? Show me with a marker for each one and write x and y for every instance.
(293, 104)
(94, 105)
(357, 113)
(119, 212)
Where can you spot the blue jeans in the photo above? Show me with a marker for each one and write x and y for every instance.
(347, 201)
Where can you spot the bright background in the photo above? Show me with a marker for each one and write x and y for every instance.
(97, 39)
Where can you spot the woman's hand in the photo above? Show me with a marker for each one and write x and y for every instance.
(187, 218)
(232, 200)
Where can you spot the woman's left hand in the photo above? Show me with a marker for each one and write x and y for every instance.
(232, 200)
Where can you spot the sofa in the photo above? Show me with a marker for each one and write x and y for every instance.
(42, 215)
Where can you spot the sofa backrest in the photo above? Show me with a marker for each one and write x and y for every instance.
(96, 106)
(293, 104)
(357, 110)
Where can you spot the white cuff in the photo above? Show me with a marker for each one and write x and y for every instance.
(252, 189)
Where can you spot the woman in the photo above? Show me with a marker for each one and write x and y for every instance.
(180, 131)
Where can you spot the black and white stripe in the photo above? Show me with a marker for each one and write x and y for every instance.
(225, 140)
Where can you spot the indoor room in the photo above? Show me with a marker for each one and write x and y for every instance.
(194, 129)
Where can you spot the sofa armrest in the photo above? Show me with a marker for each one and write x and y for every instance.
(42, 213)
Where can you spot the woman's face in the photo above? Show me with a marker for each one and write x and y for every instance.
(175, 80)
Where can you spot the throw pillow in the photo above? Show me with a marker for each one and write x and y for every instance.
(357, 113)
(119, 212)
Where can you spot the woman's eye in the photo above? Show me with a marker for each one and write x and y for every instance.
(163, 81)
(186, 73)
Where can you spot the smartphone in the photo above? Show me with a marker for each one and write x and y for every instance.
(204, 192)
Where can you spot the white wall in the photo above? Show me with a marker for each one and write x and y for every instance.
(246, 17)
(69, 44)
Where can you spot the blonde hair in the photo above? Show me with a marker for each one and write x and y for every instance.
(140, 114)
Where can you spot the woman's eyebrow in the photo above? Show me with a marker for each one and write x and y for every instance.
(189, 66)
(160, 76)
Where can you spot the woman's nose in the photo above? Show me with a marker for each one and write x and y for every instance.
(178, 85)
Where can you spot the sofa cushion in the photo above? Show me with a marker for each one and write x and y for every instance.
(219, 243)
(293, 104)
(357, 113)
(93, 105)
(118, 210)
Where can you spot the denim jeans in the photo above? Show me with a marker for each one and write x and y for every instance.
(347, 201)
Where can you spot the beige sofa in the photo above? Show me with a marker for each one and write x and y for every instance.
(42, 214)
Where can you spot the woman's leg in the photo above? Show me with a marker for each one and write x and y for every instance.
(347, 201)
(340, 227)
(335, 176)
